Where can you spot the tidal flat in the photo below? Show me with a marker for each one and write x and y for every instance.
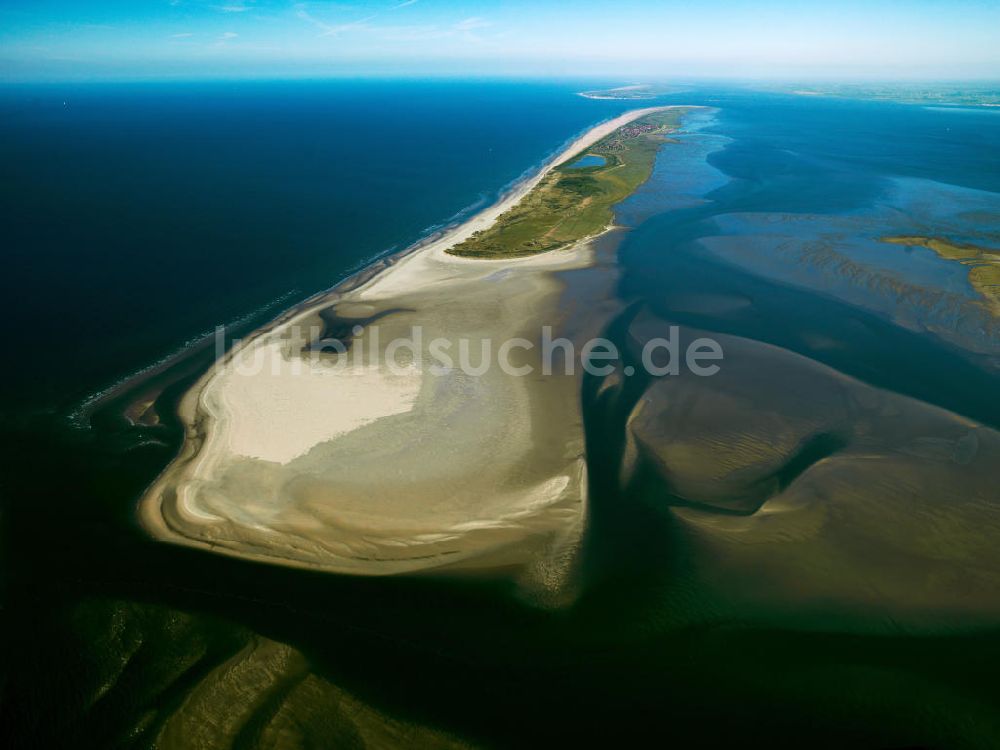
(379, 469)
(801, 544)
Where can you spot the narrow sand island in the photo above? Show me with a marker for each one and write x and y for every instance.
(357, 462)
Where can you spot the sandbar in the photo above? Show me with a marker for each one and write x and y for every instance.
(339, 462)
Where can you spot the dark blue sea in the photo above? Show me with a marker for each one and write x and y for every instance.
(135, 218)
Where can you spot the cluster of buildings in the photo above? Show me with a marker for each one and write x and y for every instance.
(629, 131)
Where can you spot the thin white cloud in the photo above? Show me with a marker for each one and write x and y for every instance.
(463, 30)
(333, 29)
(469, 24)
(184, 35)
(222, 40)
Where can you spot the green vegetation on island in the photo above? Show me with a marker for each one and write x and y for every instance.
(967, 94)
(983, 263)
(634, 92)
(573, 202)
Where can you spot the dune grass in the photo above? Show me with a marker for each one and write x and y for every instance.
(571, 203)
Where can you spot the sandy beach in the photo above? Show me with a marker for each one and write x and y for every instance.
(347, 465)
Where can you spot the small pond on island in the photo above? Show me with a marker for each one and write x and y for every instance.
(590, 160)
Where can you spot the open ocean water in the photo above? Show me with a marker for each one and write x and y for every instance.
(136, 218)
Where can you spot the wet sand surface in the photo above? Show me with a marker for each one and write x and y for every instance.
(796, 552)
(369, 462)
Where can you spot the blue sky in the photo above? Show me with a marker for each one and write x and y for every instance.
(75, 39)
